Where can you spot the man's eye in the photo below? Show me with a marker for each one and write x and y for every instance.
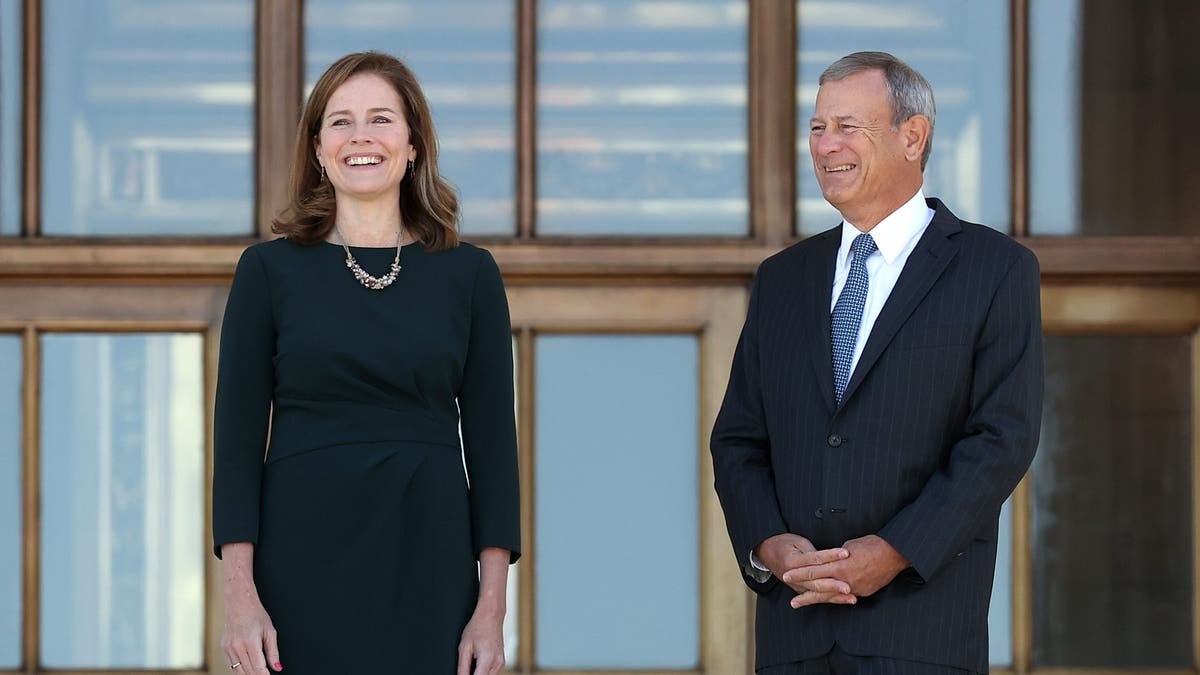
(816, 129)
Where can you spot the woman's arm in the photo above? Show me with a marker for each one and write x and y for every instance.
(483, 638)
(249, 638)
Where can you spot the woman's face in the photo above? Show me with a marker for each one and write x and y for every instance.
(364, 140)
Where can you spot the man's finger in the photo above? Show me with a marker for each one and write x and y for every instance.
(811, 572)
(824, 585)
(814, 597)
(828, 555)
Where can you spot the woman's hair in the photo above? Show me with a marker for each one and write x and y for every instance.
(428, 205)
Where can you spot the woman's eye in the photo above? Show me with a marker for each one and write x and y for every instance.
(382, 119)
(337, 123)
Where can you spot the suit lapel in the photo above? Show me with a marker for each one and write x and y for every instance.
(818, 274)
(925, 265)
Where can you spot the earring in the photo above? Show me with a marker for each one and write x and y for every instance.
(322, 173)
(412, 166)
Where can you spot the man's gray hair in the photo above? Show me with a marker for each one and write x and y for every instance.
(910, 91)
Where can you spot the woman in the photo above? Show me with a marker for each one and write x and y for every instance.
(362, 340)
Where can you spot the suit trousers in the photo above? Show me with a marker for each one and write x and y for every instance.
(838, 662)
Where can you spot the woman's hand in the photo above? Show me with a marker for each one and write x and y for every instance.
(249, 639)
(482, 643)
(483, 638)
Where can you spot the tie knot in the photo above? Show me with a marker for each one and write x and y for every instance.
(862, 247)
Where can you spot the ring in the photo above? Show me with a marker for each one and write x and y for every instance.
(235, 666)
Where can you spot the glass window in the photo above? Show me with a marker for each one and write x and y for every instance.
(963, 50)
(10, 117)
(642, 118)
(148, 117)
(1123, 76)
(1000, 611)
(463, 52)
(617, 463)
(1112, 504)
(123, 547)
(10, 502)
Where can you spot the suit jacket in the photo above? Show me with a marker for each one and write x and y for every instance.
(938, 424)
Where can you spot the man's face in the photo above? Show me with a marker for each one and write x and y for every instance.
(858, 157)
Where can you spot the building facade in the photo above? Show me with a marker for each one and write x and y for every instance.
(629, 163)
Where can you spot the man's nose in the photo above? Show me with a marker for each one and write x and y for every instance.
(827, 142)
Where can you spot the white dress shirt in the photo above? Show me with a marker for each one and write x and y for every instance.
(895, 237)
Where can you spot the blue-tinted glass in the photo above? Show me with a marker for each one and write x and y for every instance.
(1109, 82)
(10, 117)
(463, 52)
(147, 117)
(962, 48)
(1000, 612)
(10, 501)
(1054, 139)
(122, 560)
(642, 118)
(617, 494)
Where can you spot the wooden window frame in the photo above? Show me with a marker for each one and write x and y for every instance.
(714, 315)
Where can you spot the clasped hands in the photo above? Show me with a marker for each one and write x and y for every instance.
(859, 568)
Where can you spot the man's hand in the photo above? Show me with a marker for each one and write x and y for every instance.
(872, 563)
(786, 554)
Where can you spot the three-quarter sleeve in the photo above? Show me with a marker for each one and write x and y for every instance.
(488, 420)
(245, 385)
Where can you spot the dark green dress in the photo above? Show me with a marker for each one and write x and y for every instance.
(366, 532)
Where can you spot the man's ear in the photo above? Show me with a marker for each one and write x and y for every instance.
(915, 132)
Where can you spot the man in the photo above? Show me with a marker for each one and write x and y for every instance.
(885, 399)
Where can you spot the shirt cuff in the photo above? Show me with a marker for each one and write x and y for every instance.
(756, 570)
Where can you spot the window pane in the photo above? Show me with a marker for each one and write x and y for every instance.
(962, 48)
(1000, 611)
(147, 117)
(10, 117)
(123, 546)
(617, 494)
(463, 52)
(1112, 504)
(10, 501)
(642, 118)
(1121, 75)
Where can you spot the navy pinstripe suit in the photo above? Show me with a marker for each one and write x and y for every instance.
(939, 422)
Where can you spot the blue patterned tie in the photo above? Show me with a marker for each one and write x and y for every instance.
(847, 313)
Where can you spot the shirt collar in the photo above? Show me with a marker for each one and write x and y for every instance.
(893, 234)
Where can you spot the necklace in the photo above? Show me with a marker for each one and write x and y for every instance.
(373, 283)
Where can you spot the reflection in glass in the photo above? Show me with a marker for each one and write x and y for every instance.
(464, 55)
(617, 462)
(642, 118)
(1000, 611)
(147, 117)
(1120, 75)
(122, 563)
(962, 48)
(10, 118)
(10, 502)
(1112, 505)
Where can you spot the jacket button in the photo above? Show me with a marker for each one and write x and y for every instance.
(820, 513)
(834, 440)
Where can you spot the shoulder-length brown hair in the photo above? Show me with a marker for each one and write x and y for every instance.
(428, 205)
